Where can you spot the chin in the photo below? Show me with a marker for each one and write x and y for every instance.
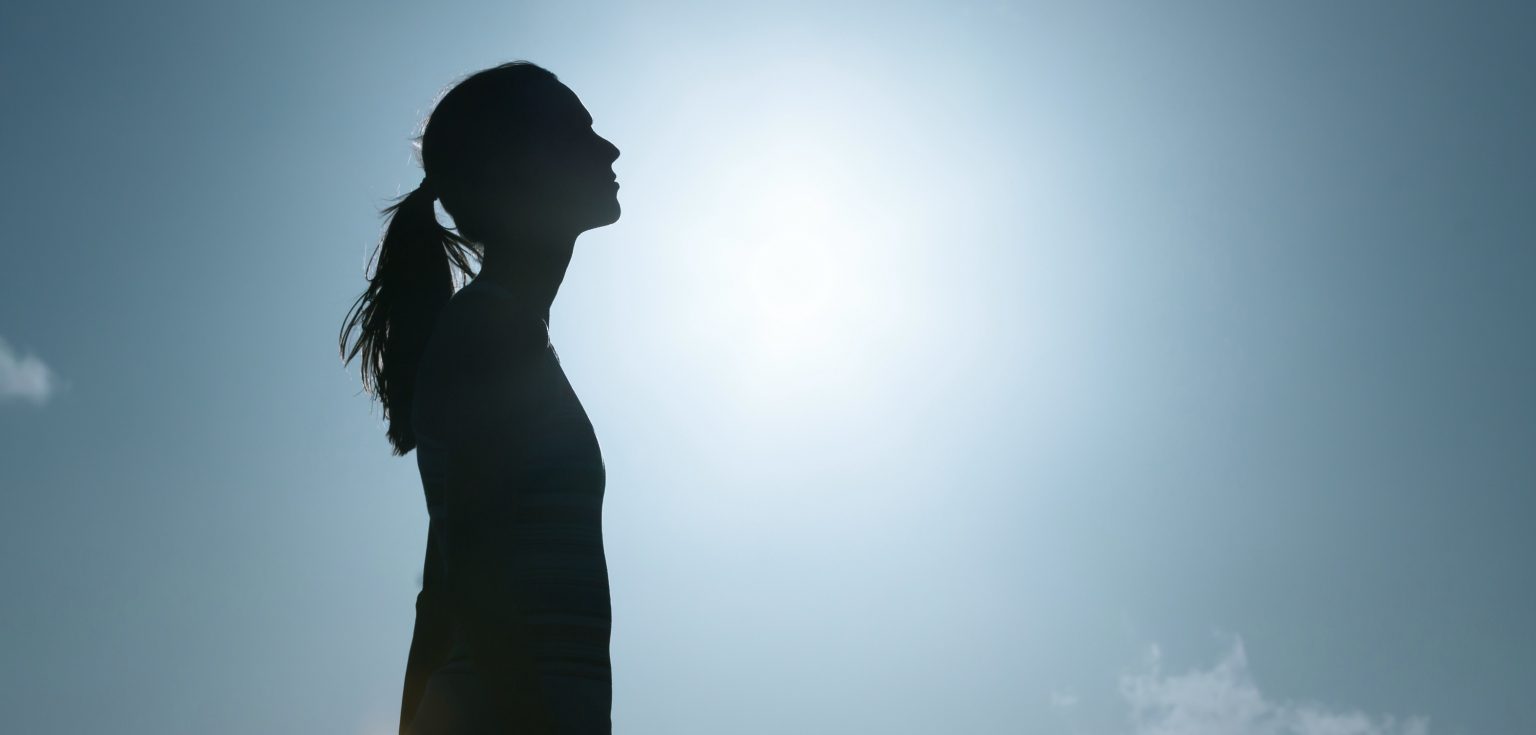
(595, 213)
(606, 215)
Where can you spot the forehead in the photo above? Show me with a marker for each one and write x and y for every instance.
(550, 101)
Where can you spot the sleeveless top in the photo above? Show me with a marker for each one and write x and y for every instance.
(553, 554)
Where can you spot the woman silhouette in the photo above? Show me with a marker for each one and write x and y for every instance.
(513, 619)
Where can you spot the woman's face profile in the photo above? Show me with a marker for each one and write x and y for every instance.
(561, 170)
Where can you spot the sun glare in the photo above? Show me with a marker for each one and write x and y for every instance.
(788, 234)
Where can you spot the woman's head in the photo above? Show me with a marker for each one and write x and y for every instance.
(511, 154)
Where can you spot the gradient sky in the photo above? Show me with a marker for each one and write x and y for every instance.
(961, 367)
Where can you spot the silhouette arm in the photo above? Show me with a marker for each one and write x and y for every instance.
(499, 382)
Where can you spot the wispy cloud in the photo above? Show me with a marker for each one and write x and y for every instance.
(24, 376)
(1223, 700)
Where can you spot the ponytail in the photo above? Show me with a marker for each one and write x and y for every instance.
(412, 281)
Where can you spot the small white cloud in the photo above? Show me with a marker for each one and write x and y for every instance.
(24, 376)
(1063, 700)
(1223, 700)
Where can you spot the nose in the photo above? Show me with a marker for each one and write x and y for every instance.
(613, 150)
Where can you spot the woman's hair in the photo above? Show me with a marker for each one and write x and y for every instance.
(415, 262)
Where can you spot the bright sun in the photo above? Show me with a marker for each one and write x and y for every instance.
(790, 235)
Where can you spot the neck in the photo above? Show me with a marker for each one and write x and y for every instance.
(529, 268)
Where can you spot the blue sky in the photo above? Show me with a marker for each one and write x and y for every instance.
(959, 367)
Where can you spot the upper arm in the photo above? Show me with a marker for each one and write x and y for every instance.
(487, 370)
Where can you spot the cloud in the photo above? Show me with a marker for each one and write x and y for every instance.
(1223, 700)
(24, 376)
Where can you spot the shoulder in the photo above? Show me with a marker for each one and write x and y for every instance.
(480, 344)
(479, 323)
